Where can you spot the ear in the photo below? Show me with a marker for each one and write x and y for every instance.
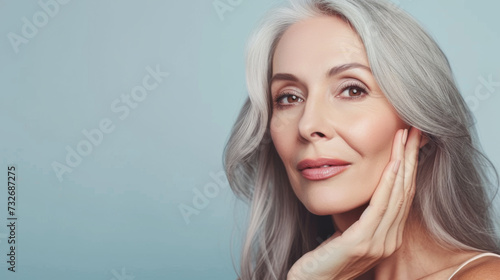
(423, 140)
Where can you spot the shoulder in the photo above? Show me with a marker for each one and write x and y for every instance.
(487, 267)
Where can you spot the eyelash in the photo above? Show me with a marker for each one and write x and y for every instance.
(345, 87)
(354, 85)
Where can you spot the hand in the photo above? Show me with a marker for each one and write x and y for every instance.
(379, 231)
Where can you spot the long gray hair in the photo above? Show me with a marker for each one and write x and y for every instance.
(454, 177)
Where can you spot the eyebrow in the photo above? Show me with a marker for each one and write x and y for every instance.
(332, 72)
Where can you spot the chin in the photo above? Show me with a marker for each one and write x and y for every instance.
(322, 204)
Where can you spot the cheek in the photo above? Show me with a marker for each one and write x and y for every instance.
(284, 133)
(282, 129)
(373, 136)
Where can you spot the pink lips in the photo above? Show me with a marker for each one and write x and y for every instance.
(321, 168)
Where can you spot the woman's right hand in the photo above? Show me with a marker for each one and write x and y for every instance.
(379, 231)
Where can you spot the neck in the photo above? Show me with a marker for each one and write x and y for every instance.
(418, 256)
(344, 220)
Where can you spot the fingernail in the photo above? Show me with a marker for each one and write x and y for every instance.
(396, 166)
(405, 136)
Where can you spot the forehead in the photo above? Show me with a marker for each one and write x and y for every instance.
(322, 42)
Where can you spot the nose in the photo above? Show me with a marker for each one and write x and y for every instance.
(314, 123)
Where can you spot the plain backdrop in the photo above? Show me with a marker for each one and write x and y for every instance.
(115, 213)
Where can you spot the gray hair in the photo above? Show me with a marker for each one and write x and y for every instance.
(454, 176)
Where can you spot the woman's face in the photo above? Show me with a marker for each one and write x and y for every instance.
(332, 109)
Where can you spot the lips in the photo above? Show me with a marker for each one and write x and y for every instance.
(320, 162)
(321, 169)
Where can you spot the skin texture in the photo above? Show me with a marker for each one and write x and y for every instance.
(330, 120)
(485, 268)
(346, 116)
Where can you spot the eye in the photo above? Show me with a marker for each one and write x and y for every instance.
(287, 99)
(353, 90)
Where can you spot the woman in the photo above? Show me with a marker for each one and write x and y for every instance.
(356, 151)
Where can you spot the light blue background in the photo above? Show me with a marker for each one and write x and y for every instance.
(116, 215)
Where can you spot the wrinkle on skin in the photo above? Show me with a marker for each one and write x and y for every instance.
(359, 131)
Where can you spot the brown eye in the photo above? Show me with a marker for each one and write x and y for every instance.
(287, 98)
(291, 98)
(353, 91)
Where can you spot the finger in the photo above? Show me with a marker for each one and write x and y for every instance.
(412, 151)
(411, 161)
(387, 229)
(399, 202)
(371, 217)
(411, 158)
(397, 231)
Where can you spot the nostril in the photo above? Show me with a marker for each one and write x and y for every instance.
(319, 134)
